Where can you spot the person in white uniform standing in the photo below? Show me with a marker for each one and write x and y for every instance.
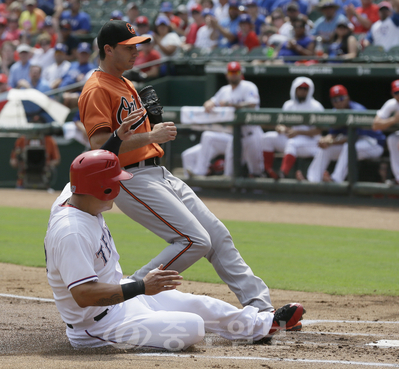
(101, 308)
(238, 94)
(296, 141)
(386, 117)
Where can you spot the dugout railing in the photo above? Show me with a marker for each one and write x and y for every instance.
(268, 118)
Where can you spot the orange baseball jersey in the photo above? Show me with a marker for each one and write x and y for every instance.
(105, 101)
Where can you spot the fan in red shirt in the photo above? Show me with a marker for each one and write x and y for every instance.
(146, 55)
(246, 35)
(196, 13)
(364, 16)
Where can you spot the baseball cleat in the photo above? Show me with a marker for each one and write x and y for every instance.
(285, 318)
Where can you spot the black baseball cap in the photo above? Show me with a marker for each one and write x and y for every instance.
(119, 32)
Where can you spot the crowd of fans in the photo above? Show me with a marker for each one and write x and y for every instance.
(48, 34)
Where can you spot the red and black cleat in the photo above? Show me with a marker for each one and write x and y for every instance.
(285, 318)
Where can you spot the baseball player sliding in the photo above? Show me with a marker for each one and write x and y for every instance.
(154, 197)
(99, 307)
(238, 94)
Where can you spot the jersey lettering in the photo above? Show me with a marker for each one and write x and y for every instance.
(125, 106)
(101, 252)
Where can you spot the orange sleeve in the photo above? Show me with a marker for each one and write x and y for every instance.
(95, 110)
(19, 144)
(53, 153)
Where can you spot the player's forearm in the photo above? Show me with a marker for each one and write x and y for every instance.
(97, 294)
(382, 124)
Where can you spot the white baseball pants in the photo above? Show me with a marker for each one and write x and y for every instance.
(171, 320)
(393, 146)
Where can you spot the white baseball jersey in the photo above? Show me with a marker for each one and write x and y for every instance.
(387, 110)
(384, 33)
(197, 159)
(79, 249)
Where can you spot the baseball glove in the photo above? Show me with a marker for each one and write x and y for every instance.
(150, 101)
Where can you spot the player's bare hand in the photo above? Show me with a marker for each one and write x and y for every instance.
(124, 131)
(209, 105)
(281, 128)
(159, 280)
(163, 132)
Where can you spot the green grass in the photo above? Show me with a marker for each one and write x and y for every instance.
(293, 257)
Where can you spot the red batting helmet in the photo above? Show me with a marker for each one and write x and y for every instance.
(97, 173)
(234, 67)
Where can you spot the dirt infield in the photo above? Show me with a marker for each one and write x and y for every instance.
(339, 331)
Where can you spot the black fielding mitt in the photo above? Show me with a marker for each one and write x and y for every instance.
(150, 101)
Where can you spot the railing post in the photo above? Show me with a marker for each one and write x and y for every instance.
(237, 151)
(352, 156)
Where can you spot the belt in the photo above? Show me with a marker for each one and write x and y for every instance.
(147, 162)
(97, 318)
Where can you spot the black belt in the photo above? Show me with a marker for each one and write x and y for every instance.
(147, 162)
(96, 318)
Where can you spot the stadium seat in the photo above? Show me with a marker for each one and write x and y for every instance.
(373, 54)
(393, 53)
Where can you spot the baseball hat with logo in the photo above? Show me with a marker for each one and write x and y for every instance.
(395, 86)
(48, 21)
(338, 90)
(60, 47)
(162, 19)
(385, 4)
(207, 11)
(197, 8)
(65, 24)
(118, 32)
(116, 14)
(3, 78)
(245, 18)
(84, 47)
(234, 67)
(142, 19)
(166, 7)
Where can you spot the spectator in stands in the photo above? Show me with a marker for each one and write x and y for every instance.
(246, 35)
(67, 38)
(79, 20)
(54, 73)
(3, 26)
(207, 36)
(296, 141)
(385, 32)
(282, 4)
(167, 9)
(363, 17)
(12, 32)
(253, 11)
(385, 118)
(326, 25)
(293, 13)
(143, 26)
(301, 44)
(148, 54)
(15, 9)
(35, 113)
(266, 32)
(50, 7)
(132, 13)
(192, 29)
(334, 146)
(344, 44)
(7, 57)
(18, 159)
(4, 8)
(20, 69)
(76, 73)
(31, 18)
(265, 7)
(166, 41)
(44, 55)
(221, 11)
(277, 19)
(229, 28)
(182, 13)
(116, 15)
(48, 27)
